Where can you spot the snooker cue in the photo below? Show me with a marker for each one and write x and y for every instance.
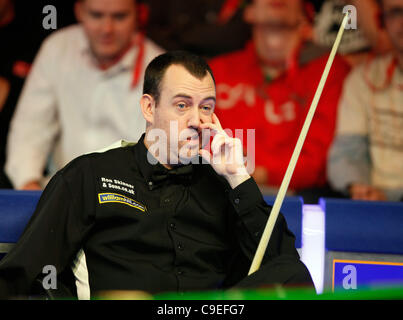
(264, 241)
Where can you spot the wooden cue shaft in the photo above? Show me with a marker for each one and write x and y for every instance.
(264, 241)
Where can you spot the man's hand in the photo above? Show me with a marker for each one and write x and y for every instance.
(360, 191)
(226, 156)
(33, 185)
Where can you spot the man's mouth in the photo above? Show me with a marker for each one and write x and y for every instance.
(106, 40)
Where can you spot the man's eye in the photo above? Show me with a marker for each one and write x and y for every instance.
(206, 108)
(96, 15)
(181, 106)
(120, 16)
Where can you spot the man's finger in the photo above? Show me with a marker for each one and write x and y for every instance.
(217, 143)
(216, 121)
(213, 127)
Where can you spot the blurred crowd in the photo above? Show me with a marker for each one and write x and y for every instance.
(73, 89)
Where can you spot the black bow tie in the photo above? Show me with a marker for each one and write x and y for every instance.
(179, 174)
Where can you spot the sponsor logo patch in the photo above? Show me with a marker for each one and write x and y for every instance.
(117, 185)
(118, 198)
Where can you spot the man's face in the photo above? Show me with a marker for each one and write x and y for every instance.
(109, 25)
(276, 28)
(276, 12)
(393, 15)
(185, 102)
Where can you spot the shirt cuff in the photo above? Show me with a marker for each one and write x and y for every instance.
(245, 197)
(20, 175)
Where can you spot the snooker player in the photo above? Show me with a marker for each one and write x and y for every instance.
(171, 219)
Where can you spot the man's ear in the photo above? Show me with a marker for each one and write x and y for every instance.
(78, 10)
(148, 104)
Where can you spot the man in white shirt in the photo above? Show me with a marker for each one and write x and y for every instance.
(83, 91)
(366, 159)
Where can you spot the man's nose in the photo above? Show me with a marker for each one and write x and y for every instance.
(194, 118)
(107, 25)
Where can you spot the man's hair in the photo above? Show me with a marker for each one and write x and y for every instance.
(156, 69)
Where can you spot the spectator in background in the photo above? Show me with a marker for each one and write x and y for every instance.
(369, 37)
(269, 86)
(366, 159)
(206, 27)
(84, 82)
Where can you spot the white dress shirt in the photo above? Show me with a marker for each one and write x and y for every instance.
(69, 106)
(368, 146)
